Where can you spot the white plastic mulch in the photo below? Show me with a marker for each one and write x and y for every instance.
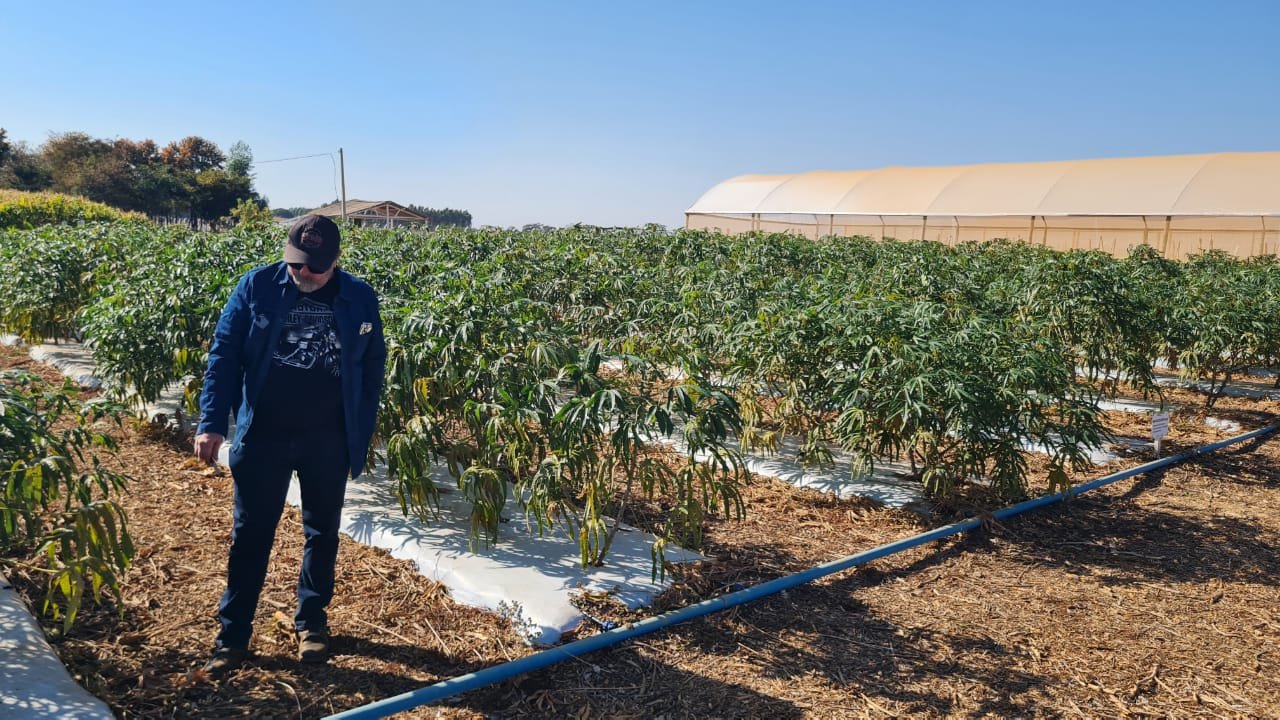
(887, 483)
(1246, 388)
(1230, 426)
(1135, 406)
(33, 681)
(530, 578)
(72, 359)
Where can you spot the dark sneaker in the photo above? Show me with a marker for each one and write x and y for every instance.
(313, 646)
(224, 660)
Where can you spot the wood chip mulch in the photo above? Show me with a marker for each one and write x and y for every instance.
(1153, 597)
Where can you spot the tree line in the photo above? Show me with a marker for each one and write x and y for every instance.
(189, 180)
(443, 217)
(436, 217)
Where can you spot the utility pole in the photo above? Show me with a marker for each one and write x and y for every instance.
(342, 173)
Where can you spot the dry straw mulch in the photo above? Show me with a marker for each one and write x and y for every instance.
(1154, 597)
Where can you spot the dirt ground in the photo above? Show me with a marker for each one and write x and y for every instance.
(1153, 597)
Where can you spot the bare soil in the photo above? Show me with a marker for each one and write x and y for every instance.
(1152, 597)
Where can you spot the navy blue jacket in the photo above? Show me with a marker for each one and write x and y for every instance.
(245, 341)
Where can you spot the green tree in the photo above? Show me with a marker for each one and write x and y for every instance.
(20, 167)
(160, 191)
(217, 192)
(210, 183)
(446, 217)
(193, 154)
(250, 213)
(240, 160)
(88, 167)
(152, 189)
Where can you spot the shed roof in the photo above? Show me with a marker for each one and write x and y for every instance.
(371, 208)
(1217, 184)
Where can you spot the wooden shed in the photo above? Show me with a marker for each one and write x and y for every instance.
(373, 213)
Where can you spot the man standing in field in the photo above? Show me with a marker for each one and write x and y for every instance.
(298, 355)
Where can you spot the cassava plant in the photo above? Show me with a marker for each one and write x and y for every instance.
(57, 515)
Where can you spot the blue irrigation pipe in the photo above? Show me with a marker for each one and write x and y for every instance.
(551, 656)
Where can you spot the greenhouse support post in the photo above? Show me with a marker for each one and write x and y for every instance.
(552, 656)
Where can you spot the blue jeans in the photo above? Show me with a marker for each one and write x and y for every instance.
(262, 469)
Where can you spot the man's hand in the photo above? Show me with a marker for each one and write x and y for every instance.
(207, 446)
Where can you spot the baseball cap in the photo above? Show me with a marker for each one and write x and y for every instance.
(313, 240)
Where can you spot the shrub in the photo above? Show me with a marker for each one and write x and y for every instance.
(19, 209)
(56, 516)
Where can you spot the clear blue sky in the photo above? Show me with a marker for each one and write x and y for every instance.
(624, 113)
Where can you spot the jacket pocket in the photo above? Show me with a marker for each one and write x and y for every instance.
(259, 329)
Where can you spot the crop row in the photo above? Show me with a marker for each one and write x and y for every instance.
(562, 368)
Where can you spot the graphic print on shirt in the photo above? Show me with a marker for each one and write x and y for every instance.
(309, 339)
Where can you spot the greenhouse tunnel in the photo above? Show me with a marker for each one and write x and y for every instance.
(1179, 204)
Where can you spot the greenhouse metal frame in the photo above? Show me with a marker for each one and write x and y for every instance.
(1180, 204)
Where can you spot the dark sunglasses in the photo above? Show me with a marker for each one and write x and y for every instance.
(298, 267)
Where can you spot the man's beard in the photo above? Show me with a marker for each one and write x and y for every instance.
(308, 286)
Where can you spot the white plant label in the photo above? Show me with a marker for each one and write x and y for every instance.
(1159, 425)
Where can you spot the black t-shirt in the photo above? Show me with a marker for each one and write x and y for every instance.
(303, 391)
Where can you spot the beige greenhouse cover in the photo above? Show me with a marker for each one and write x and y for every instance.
(1180, 203)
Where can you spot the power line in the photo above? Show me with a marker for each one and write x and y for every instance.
(329, 155)
(300, 157)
